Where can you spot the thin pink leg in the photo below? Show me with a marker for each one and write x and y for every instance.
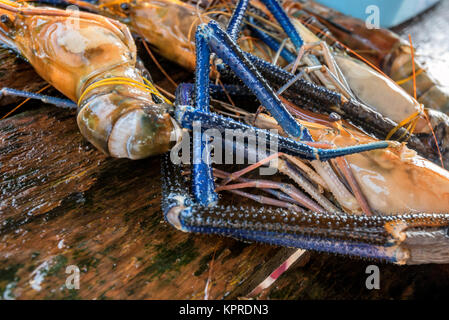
(238, 174)
(288, 189)
(282, 197)
(266, 200)
(346, 171)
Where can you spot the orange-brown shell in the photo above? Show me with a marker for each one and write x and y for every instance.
(394, 180)
(73, 50)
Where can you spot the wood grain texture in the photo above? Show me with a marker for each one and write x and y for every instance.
(64, 203)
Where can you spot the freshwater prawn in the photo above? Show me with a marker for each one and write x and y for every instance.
(92, 60)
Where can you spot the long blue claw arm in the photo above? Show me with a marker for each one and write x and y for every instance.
(285, 22)
(202, 80)
(202, 177)
(302, 87)
(185, 92)
(310, 95)
(187, 115)
(235, 22)
(62, 103)
(334, 233)
(327, 154)
(279, 14)
(227, 50)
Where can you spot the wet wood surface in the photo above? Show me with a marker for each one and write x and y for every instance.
(64, 203)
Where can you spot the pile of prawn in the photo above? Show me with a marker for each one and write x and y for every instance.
(124, 115)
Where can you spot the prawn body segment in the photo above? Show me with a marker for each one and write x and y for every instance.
(170, 26)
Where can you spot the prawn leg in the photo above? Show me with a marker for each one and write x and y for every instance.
(62, 103)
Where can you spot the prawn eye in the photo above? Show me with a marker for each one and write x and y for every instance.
(125, 6)
(334, 117)
(4, 19)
